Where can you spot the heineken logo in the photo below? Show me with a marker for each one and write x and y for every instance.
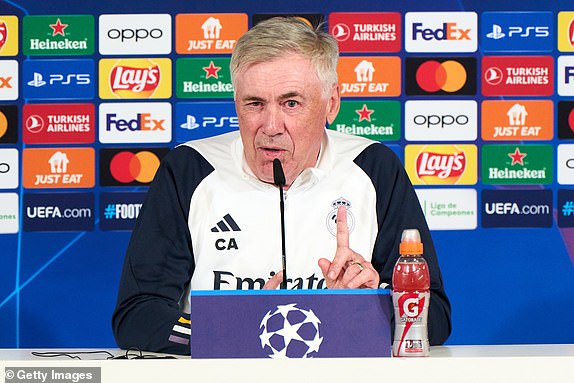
(58, 28)
(364, 113)
(58, 35)
(517, 157)
(211, 70)
(203, 78)
(377, 120)
(517, 164)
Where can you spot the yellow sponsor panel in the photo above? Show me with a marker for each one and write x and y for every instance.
(441, 164)
(8, 35)
(566, 31)
(135, 78)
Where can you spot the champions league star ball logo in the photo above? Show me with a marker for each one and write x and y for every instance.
(290, 332)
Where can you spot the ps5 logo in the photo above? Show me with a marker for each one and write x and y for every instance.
(518, 31)
(210, 122)
(60, 79)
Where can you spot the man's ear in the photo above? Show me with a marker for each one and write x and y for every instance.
(333, 104)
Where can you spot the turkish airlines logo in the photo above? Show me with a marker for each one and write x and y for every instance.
(341, 32)
(367, 32)
(58, 123)
(135, 78)
(440, 76)
(517, 75)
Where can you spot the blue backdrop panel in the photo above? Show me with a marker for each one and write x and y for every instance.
(506, 285)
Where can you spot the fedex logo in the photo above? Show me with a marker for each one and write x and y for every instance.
(566, 75)
(441, 31)
(138, 122)
(448, 31)
(143, 121)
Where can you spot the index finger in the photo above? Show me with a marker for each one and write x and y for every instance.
(342, 228)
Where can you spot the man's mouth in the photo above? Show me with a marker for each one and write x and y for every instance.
(273, 152)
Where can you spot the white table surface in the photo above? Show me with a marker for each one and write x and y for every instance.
(506, 363)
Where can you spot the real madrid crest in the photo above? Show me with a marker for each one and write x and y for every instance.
(332, 216)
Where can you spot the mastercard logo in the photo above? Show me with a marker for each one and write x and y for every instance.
(454, 76)
(449, 76)
(3, 124)
(129, 167)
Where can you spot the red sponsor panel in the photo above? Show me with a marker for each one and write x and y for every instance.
(517, 75)
(58, 123)
(366, 31)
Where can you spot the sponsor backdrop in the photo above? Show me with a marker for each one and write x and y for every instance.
(476, 98)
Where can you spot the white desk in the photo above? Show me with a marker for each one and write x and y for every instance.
(516, 363)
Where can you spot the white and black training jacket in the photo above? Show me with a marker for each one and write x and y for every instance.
(209, 224)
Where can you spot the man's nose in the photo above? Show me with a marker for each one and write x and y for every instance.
(274, 123)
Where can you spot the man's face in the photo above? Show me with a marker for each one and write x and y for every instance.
(282, 111)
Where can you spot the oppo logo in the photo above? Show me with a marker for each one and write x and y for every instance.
(4, 167)
(134, 34)
(442, 121)
(569, 164)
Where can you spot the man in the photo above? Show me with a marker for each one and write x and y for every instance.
(211, 217)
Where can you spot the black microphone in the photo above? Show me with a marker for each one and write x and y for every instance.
(279, 180)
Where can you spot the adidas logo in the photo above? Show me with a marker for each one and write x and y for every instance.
(226, 224)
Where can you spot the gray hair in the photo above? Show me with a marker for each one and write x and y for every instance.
(279, 36)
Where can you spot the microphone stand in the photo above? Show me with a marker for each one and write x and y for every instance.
(279, 180)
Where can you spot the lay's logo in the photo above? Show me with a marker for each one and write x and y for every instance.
(9, 35)
(135, 78)
(566, 31)
(441, 164)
